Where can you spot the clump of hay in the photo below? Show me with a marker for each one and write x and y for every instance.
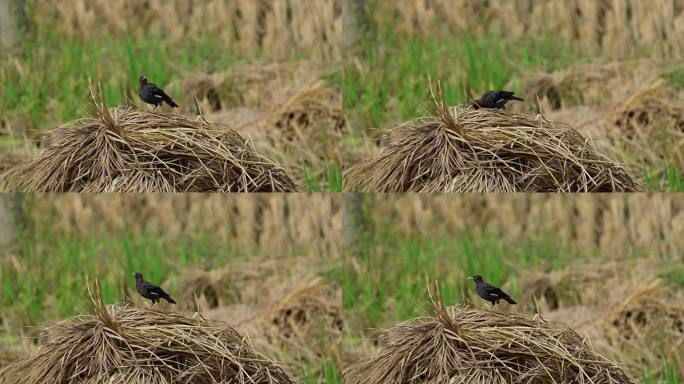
(650, 309)
(590, 84)
(120, 344)
(309, 121)
(649, 320)
(206, 91)
(594, 84)
(631, 108)
(624, 306)
(127, 150)
(293, 316)
(464, 345)
(256, 85)
(308, 319)
(647, 107)
(11, 352)
(462, 149)
(647, 123)
(287, 108)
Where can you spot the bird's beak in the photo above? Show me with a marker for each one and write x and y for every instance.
(469, 277)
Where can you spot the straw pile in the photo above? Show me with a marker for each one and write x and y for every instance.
(293, 316)
(308, 320)
(290, 112)
(10, 352)
(120, 344)
(613, 28)
(624, 306)
(632, 109)
(461, 149)
(277, 28)
(463, 345)
(127, 150)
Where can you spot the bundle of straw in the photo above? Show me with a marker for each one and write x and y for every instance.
(127, 150)
(463, 345)
(120, 344)
(463, 149)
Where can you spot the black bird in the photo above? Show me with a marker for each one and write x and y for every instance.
(151, 94)
(490, 292)
(495, 100)
(150, 291)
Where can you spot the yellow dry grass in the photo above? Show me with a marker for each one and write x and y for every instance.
(124, 149)
(615, 28)
(287, 109)
(124, 344)
(461, 149)
(465, 345)
(289, 311)
(611, 225)
(264, 224)
(626, 106)
(625, 307)
(277, 27)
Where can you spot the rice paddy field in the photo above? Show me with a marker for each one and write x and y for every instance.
(610, 70)
(272, 282)
(610, 267)
(392, 187)
(268, 70)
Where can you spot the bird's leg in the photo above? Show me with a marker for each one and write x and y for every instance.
(155, 107)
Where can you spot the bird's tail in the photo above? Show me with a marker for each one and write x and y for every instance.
(170, 300)
(170, 102)
(509, 300)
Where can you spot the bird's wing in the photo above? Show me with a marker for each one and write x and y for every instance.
(157, 92)
(494, 291)
(154, 290)
(504, 94)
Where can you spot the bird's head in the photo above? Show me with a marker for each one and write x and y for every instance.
(142, 79)
(476, 278)
(138, 276)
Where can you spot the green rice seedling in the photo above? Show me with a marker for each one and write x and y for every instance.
(329, 373)
(669, 180)
(328, 181)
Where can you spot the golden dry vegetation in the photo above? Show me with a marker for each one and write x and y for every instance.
(612, 70)
(253, 273)
(266, 69)
(608, 267)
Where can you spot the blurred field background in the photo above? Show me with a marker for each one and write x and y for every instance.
(263, 264)
(612, 69)
(266, 68)
(611, 267)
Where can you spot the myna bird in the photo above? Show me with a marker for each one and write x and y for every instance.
(150, 291)
(490, 292)
(151, 94)
(495, 100)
